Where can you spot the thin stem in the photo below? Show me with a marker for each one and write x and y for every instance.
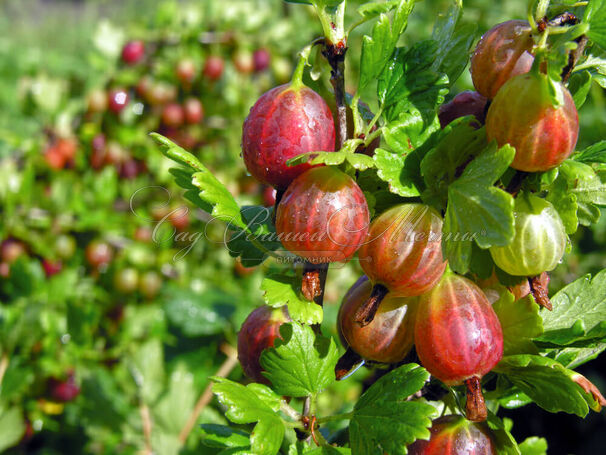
(3, 366)
(332, 418)
(226, 368)
(290, 412)
(147, 428)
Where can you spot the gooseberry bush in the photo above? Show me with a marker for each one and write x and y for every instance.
(454, 221)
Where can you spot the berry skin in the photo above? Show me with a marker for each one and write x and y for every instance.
(262, 59)
(117, 100)
(259, 332)
(269, 196)
(539, 239)
(133, 52)
(323, 216)
(11, 250)
(150, 284)
(54, 158)
(186, 71)
(465, 103)
(51, 267)
(458, 337)
(454, 435)
(66, 390)
(193, 110)
(244, 62)
(213, 68)
(403, 250)
(173, 115)
(285, 122)
(99, 254)
(502, 53)
(126, 280)
(97, 101)
(389, 337)
(523, 116)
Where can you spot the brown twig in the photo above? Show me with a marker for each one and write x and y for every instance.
(335, 55)
(366, 313)
(574, 57)
(475, 407)
(147, 428)
(228, 365)
(539, 292)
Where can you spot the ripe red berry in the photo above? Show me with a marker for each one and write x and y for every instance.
(261, 59)
(269, 196)
(241, 270)
(522, 115)
(117, 100)
(503, 52)
(173, 115)
(194, 111)
(133, 52)
(389, 337)
(99, 254)
(213, 68)
(285, 122)
(403, 250)
(259, 332)
(455, 435)
(539, 239)
(458, 337)
(51, 267)
(323, 216)
(186, 71)
(465, 103)
(67, 147)
(54, 158)
(64, 390)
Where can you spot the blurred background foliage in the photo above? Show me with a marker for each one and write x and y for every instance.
(88, 348)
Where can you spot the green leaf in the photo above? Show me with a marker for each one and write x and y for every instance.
(356, 160)
(176, 153)
(282, 290)
(454, 42)
(595, 153)
(373, 9)
(329, 450)
(248, 405)
(547, 382)
(505, 442)
(477, 210)
(12, 427)
(301, 364)
(595, 15)
(391, 168)
(384, 420)
(378, 48)
(147, 368)
(534, 446)
(579, 86)
(520, 321)
(261, 230)
(223, 436)
(579, 313)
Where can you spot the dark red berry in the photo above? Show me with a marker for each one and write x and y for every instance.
(117, 100)
(259, 332)
(213, 68)
(64, 390)
(194, 111)
(389, 337)
(285, 122)
(503, 52)
(269, 196)
(458, 337)
(133, 52)
(323, 216)
(465, 103)
(455, 435)
(403, 250)
(51, 267)
(523, 116)
(262, 59)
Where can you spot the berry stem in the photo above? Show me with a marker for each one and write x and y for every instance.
(347, 364)
(475, 408)
(314, 280)
(366, 313)
(335, 55)
(539, 292)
